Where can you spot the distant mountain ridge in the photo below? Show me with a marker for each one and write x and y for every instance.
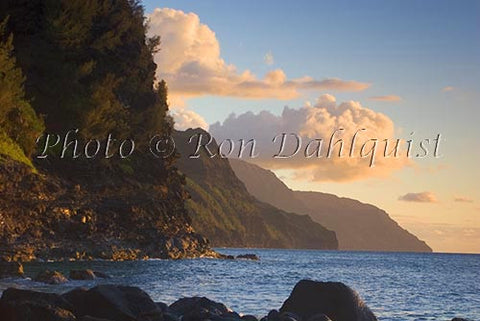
(358, 226)
(222, 209)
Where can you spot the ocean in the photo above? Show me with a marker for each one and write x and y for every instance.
(396, 286)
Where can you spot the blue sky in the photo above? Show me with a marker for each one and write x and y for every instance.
(411, 49)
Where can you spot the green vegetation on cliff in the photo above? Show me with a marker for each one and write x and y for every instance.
(19, 125)
(222, 209)
(11, 150)
(86, 65)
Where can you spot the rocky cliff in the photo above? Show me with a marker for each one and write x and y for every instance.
(104, 215)
(94, 76)
(222, 209)
(358, 226)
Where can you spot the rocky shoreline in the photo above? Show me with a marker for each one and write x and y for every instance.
(54, 213)
(14, 269)
(309, 301)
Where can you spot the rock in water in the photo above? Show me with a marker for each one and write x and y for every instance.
(82, 274)
(10, 269)
(333, 299)
(114, 302)
(50, 277)
(253, 257)
(102, 275)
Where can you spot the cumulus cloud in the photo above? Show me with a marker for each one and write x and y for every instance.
(317, 121)
(423, 197)
(190, 62)
(463, 199)
(185, 119)
(268, 58)
(386, 98)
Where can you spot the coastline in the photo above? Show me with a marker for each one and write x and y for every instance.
(396, 286)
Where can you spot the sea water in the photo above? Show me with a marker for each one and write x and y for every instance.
(396, 286)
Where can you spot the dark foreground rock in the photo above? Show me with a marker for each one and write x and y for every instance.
(249, 317)
(199, 308)
(113, 302)
(26, 305)
(333, 299)
(274, 315)
(309, 301)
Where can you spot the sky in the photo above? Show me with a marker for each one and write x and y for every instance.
(248, 69)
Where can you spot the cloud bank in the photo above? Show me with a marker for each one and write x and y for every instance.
(314, 121)
(423, 197)
(191, 63)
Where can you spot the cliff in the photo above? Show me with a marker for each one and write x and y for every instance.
(96, 75)
(222, 209)
(358, 226)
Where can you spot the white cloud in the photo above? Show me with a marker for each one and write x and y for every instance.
(423, 197)
(312, 121)
(190, 62)
(185, 119)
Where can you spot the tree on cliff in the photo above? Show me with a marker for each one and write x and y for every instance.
(18, 121)
(88, 65)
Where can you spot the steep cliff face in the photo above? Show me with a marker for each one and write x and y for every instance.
(222, 209)
(95, 74)
(358, 226)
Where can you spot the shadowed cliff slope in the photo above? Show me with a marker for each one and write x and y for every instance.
(222, 209)
(358, 226)
(85, 65)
